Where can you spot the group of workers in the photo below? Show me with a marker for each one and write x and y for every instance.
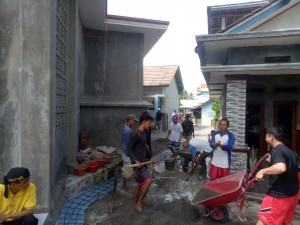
(18, 194)
(220, 146)
(280, 202)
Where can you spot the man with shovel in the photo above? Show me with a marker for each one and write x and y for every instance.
(139, 153)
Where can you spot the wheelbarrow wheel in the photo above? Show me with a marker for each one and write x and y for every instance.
(219, 214)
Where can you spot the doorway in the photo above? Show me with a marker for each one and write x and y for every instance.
(255, 126)
(285, 115)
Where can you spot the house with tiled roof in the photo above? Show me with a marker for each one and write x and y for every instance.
(162, 86)
(253, 68)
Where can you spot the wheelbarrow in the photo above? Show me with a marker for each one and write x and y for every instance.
(217, 194)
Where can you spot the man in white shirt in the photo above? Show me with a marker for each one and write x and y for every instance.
(197, 145)
(175, 134)
(222, 141)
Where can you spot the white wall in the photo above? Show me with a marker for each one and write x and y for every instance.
(172, 99)
(150, 90)
(285, 21)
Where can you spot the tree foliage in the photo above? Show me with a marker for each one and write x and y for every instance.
(216, 108)
(185, 95)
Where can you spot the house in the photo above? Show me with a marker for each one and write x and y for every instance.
(253, 67)
(222, 16)
(187, 105)
(162, 86)
(66, 66)
(207, 114)
(202, 93)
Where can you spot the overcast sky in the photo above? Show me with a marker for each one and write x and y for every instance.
(188, 18)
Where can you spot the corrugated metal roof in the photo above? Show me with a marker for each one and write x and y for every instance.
(162, 76)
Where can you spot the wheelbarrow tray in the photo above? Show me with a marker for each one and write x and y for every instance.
(221, 191)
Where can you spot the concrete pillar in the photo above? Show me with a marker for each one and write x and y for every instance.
(236, 114)
(236, 108)
(75, 38)
(25, 84)
(155, 104)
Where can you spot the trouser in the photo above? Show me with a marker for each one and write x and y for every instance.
(26, 220)
(202, 163)
(158, 125)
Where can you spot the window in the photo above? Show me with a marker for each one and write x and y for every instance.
(278, 59)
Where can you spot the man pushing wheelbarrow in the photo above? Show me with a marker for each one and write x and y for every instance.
(280, 202)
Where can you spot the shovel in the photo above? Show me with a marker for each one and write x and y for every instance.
(154, 172)
(127, 171)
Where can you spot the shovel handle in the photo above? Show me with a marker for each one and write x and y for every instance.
(137, 165)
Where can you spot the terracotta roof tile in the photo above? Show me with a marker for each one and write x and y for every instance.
(159, 75)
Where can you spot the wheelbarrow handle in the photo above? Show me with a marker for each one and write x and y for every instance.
(256, 166)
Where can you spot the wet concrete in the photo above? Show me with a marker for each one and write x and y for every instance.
(167, 202)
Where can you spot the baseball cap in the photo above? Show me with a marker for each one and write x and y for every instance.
(183, 140)
(132, 117)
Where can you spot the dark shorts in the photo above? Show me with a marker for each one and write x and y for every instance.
(142, 175)
(201, 158)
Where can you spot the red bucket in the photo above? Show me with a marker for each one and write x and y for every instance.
(80, 170)
(102, 162)
(92, 166)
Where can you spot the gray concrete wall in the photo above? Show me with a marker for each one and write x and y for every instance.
(112, 84)
(105, 123)
(25, 90)
(257, 54)
(29, 134)
(114, 65)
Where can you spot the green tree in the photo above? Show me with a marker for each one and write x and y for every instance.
(216, 108)
(185, 95)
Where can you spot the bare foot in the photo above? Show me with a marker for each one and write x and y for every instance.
(138, 208)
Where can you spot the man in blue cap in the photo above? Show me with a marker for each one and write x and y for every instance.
(126, 132)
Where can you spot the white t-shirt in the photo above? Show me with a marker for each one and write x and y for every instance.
(220, 158)
(175, 129)
(200, 145)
